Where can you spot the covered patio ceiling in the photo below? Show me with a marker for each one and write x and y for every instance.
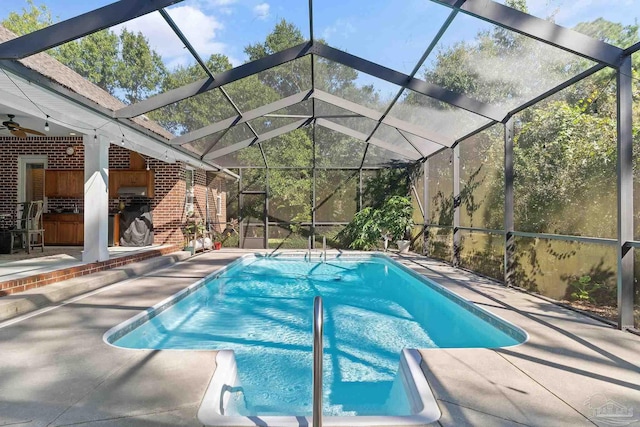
(396, 130)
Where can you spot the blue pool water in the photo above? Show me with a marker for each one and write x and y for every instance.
(262, 309)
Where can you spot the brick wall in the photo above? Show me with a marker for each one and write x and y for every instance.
(13, 286)
(200, 194)
(215, 185)
(55, 150)
(119, 159)
(167, 205)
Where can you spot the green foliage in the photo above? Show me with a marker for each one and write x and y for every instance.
(122, 64)
(562, 154)
(197, 226)
(232, 241)
(198, 111)
(393, 219)
(609, 32)
(584, 289)
(388, 211)
(31, 19)
(140, 69)
(94, 57)
(283, 36)
(290, 194)
(397, 217)
(386, 183)
(364, 231)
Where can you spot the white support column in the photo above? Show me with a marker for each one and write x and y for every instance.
(96, 198)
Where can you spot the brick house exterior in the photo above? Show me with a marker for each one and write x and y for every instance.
(170, 186)
(168, 203)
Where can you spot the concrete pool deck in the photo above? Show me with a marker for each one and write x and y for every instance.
(57, 371)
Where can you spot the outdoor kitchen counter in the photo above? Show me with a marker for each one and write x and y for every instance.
(63, 228)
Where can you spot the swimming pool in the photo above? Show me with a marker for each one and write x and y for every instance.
(261, 307)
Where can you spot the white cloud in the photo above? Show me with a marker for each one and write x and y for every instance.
(341, 28)
(220, 7)
(199, 28)
(570, 12)
(262, 10)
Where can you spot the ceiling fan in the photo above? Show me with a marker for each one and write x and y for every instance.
(18, 130)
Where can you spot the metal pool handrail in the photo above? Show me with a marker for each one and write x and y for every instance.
(324, 247)
(318, 326)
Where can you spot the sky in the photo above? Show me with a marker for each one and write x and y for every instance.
(392, 33)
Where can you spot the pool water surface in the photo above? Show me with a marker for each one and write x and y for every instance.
(261, 307)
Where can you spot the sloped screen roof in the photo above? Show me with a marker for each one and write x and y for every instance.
(340, 86)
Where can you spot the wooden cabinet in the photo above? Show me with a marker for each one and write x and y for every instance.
(70, 183)
(130, 178)
(50, 231)
(136, 161)
(66, 233)
(133, 179)
(50, 183)
(64, 183)
(113, 184)
(63, 229)
(80, 232)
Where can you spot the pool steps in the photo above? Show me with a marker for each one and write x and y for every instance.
(324, 248)
(323, 255)
(217, 400)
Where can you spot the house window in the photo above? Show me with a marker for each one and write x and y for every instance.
(219, 205)
(190, 191)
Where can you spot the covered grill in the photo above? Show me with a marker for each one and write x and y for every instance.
(136, 226)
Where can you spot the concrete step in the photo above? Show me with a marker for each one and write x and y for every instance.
(24, 302)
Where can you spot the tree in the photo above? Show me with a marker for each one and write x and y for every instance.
(290, 191)
(140, 69)
(31, 19)
(123, 65)
(94, 57)
(286, 79)
(565, 146)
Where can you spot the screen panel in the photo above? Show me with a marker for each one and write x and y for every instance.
(290, 192)
(441, 188)
(334, 149)
(336, 195)
(483, 253)
(212, 27)
(349, 84)
(482, 179)
(595, 19)
(379, 157)
(413, 26)
(582, 275)
(436, 116)
(293, 149)
(288, 236)
(565, 161)
(496, 65)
